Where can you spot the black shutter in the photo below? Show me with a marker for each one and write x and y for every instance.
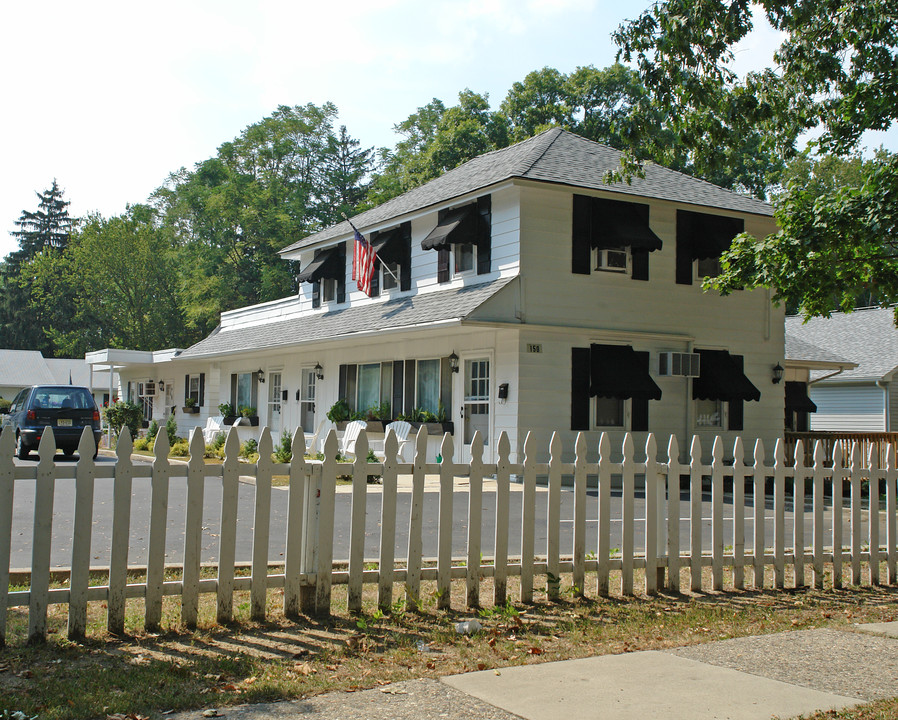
(254, 393)
(202, 401)
(409, 386)
(443, 265)
(397, 387)
(640, 267)
(484, 235)
(580, 249)
(186, 388)
(234, 392)
(341, 387)
(351, 375)
(639, 407)
(446, 386)
(684, 249)
(405, 266)
(579, 388)
(341, 281)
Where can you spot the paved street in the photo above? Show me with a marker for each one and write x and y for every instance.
(102, 527)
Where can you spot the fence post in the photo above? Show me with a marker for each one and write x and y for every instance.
(193, 530)
(227, 543)
(891, 475)
(629, 516)
(121, 527)
(158, 524)
(857, 470)
(553, 519)
(652, 506)
(873, 514)
(325, 567)
(7, 487)
(738, 514)
(779, 515)
(579, 555)
(261, 527)
(444, 542)
(296, 526)
(415, 523)
(759, 479)
(673, 515)
(475, 521)
(41, 539)
(79, 578)
(695, 514)
(528, 521)
(798, 493)
(357, 523)
(819, 511)
(838, 478)
(503, 473)
(604, 524)
(387, 523)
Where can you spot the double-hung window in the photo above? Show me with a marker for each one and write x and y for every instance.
(427, 395)
(720, 390)
(701, 239)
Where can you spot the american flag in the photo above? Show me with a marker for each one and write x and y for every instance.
(363, 263)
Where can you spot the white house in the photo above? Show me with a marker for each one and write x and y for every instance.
(570, 305)
(22, 368)
(863, 396)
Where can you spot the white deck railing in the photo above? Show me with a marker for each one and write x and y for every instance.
(646, 492)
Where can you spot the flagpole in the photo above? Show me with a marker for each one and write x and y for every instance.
(382, 263)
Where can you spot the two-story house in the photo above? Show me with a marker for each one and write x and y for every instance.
(518, 293)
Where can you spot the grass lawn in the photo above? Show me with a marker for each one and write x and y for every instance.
(215, 666)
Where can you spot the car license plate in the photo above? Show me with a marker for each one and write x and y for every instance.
(64, 422)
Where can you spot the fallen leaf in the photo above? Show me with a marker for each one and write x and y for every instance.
(211, 712)
(393, 690)
(534, 651)
(481, 666)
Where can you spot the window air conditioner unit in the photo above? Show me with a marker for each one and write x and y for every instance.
(675, 364)
(146, 389)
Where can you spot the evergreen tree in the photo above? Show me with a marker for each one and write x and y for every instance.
(49, 227)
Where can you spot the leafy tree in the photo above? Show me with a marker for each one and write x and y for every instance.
(539, 102)
(836, 74)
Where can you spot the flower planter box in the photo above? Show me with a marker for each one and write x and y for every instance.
(250, 420)
(436, 428)
(191, 410)
(229, 419)
(373, 426)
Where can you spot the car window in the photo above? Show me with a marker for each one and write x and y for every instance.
(59, 398)
(18, 400)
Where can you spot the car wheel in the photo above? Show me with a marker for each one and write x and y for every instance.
(22, 451)
(68, 452)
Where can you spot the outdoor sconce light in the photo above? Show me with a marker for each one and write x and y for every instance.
(319, 371)
(777, 373)
(453, 362)
(297, 394)
(261, 375)
(161, 386)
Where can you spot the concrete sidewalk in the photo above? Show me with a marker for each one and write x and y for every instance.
(754, 678)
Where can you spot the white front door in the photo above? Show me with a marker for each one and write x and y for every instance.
(475, 407)
(274, 404)
(307, 401)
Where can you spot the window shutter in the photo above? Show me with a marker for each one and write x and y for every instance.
(405, 267)
(446, 385)
(234, 392)
(579, 388)
(580, 249)
(375, 279)
(202, 401)
(254, 394)
(443, 265)
(409, 386)
(341, 388)
(640, 266)
(639, 407)
(397, 387)
(484, 235)
(186, 388)
(341, 281)
(684, 249)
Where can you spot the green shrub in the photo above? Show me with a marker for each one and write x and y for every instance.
(381, 411)
(249, 448)
(211, 451)
(152, 430)
(219, 440)
(180, 448)
(226, 409)
(5, 405)
(171, 429)
(123, 414)
(283, 452)
(339, 411)
(141, 444)
(247, 411)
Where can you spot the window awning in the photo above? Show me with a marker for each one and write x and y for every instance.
(722, 378)
(618, 371)
(797, 399)
(388, 246)
(622, 224)
(706, 235)
(328, 264)
(457, 226)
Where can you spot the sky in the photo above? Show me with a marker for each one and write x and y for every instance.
(109, 98)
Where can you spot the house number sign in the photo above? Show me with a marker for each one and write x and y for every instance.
(534, 348)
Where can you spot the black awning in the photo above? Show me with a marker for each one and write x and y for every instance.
(618, 371)
(622, 224)
(328, 264)
(388, 245)
(797, 399)
(457, 226)
(707, 235)
(722, 378)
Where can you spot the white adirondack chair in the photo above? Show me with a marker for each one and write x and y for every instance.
(350, 435)
(312, 440)
(402, 429)
(214, 425)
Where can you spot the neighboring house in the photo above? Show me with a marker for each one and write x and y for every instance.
(863, 397)
(804, 360)
(22, 368)
(518, 293)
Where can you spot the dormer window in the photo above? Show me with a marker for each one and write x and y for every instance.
(328, 290)
(462, 239)
(612, 260)
(394, 259)
(327, 273)
(389, 271)
(611, 236)
(707, 267)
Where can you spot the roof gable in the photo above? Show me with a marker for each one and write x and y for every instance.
(554, 156)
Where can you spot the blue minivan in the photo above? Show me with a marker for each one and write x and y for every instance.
(68, 409)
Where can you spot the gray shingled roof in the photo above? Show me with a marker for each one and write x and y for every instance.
(799, 350)
(555, 156)
(432, 307)
(24, 367)
(868, 337)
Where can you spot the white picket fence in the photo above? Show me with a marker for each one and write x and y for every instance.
(841, 532)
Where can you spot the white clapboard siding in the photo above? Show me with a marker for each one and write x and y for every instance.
(310, 568)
